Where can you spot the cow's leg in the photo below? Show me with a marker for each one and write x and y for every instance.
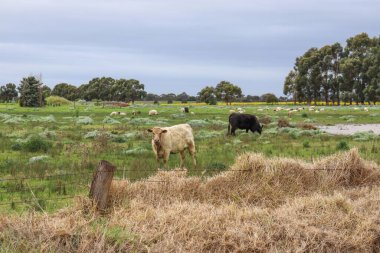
(233, 131)
(192, 152)
(166, 158)
(182, 157)
(246, 130)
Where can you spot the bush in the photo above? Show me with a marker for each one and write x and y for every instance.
(342, 145)
(16, 146)
(283, 122)
(56, 101)
(265, 120)
(36, 143)
(85, 120)
(364, 136)
(306, 144)
(304, 115)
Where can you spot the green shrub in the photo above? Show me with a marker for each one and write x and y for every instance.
(36, 143)
(306, 144)
(16, 146)
(304, 115)
(364, 136)
(85, 120)
(342, 145)
(56, 100)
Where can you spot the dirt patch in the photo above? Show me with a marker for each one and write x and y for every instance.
(348, 129)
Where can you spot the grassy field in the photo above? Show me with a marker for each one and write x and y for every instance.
(40, 145)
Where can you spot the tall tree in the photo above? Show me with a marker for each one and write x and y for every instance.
(290, 85)
(207, 95)
(68, 91)
(227, 91)
(137, 91)
(30, 90)
(8, 92)
(128, 90)
(372, 63)
(357, 48)
(269, 98)
(336, 81)
(100, 88)
(46, 92)
(183, 97)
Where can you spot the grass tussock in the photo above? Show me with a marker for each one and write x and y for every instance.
(259, 205)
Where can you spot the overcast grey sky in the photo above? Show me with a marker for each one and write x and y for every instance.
(173, 45)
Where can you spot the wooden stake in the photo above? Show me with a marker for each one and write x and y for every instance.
(101, 184)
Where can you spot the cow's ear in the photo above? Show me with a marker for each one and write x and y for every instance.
(164, 131)
(149, 130)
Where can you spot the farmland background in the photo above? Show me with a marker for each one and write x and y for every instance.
(51, 152)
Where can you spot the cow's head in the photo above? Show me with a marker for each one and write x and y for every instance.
(259, 128)
(157, 133)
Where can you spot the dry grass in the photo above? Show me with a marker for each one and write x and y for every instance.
(307, 126)
(282, 122)
(259, 205)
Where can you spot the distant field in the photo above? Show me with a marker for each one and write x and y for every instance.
(41, 144)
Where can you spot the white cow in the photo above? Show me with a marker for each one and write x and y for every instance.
(153, 112)
(174, 139)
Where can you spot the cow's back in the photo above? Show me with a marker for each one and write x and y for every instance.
(178, 137)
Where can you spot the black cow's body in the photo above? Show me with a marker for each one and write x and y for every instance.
(243, 121)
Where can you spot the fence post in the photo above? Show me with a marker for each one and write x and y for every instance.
(101, 184)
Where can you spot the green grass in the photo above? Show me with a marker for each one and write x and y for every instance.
(74, 144)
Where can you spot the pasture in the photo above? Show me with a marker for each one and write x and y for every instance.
(271, 192)
(40, 145)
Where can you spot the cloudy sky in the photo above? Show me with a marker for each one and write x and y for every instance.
(172, 45)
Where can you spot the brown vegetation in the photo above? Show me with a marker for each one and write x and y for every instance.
(265, 120)
(259, 205)
(307, 126)
(281, 122)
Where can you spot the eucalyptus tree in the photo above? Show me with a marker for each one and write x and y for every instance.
(207, 95)
(357, 49)
(227, 91)
(290, 85)
(100, 88)
(372, 63)
(308, 81)
(8, 92)
(127, 90)
(68, 91)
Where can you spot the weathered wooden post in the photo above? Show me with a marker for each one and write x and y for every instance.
(101, 184)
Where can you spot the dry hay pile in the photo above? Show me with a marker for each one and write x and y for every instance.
(259, 205)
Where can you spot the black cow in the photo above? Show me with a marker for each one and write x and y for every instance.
(243, 121)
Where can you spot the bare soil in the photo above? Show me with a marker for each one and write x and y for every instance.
(348, 129)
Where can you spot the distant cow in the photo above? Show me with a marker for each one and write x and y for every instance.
(152, 112)
(172, 140)
(185, 109)
(243, 121)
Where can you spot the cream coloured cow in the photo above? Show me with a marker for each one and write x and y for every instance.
(152, 112)
(171, 140)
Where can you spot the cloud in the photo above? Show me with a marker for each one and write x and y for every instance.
(169, 43)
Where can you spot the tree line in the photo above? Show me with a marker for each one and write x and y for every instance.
(336, 74)
(32, 92)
